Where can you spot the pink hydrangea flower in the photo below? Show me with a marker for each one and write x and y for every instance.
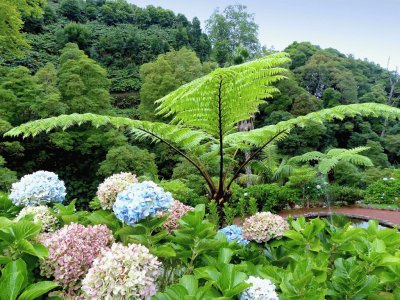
(108, 190)
(122, 272)
(178, 211)
(264, 226)
(72, 250)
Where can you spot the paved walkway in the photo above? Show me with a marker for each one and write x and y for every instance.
(385, 217)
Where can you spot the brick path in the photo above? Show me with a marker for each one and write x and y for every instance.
(385, 217)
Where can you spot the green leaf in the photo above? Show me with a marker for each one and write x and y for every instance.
(104, 217)
(34, 249)
(25, 230)
(37, 289)
(190, 283)
(163, 251)
(14, 278)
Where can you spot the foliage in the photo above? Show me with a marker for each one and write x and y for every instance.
(12, 40)
(349, 195)
(128, 159)
(140, 200)
(232, 29)
(316, 260)
(168, 72)
(180, 191)
(383, 191)
(41, 187)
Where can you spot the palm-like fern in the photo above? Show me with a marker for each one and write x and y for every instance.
(205, 113)
(328, 161)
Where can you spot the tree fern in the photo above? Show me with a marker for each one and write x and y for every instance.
(328, 161)
(205, 114)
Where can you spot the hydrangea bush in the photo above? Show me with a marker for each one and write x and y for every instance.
(72, 250)
(264, 226)
(122, 272)
(108, 190)
(234, 233)
(261, 289)
(141, 200)
(42, 215)
(38, 188)
(178, 210)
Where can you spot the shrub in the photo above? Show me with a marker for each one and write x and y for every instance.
(108, 190)
(264, 226)
(350, 195)
(38, 188)
(122, 272)
(271, 197)
(384, 191)
(180, 191)
(141, 200)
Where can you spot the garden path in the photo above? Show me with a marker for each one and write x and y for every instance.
(385, 217)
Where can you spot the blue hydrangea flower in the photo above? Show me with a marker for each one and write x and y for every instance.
(38, 188)
(141, 200)
(234, 233)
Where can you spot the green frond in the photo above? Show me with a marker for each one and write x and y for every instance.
(258, 137)
(339, 151)
(327, 164)
(223, 98)
(359, 160)
(307, 157)
(181, 137)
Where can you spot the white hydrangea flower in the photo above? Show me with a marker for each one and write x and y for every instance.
(261, 289)
(41, 214)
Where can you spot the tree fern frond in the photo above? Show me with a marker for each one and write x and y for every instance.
(216, 102)
(184, 138)
(258, 137)
(359, 160)
(327, 164)
(307, 157)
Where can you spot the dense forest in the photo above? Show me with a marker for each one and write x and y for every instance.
(115, 58)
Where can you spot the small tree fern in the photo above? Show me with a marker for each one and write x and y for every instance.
(326, 162)
(205, 114)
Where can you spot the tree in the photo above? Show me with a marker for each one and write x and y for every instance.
(205, 114)
(74, 33)
(12, 40)
(72, 10)
(82, 82)
(229, 29)
(165, 74)
(326, 162)
(128, 159)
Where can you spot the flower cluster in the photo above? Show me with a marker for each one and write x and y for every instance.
(38, 188)
(72, 250)
(178, 210)
(108, 190)
(264, 226)
(122, 272)
(261, 289)
(141, 200)
(234, 233)
(40, 214)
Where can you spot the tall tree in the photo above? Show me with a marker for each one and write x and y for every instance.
(229, 29)
(82, 82)
(12, 12)
(168, 72)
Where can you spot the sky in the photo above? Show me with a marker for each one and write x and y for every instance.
(365, 28)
